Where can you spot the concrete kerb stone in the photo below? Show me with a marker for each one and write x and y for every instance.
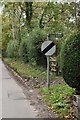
(76, 103)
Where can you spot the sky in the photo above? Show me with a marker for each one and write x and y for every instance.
(40, 0)
(1, 7)
(37, 1)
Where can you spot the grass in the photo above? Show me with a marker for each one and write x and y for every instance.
(58, 98)
(27, 70)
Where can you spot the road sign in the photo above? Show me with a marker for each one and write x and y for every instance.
(48, 48)
(57, 35)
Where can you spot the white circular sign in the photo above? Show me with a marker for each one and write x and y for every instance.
(48, 48)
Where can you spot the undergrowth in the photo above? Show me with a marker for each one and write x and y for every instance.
(59, 99)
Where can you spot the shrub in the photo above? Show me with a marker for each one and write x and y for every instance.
(70, 61)
(4, 53)
(35, 40)
(4, 47)
(23, 51)
(10, 49)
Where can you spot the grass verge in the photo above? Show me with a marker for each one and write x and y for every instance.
(27, 70)
(59, 99)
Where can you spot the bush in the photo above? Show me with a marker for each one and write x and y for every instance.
(35, 40)
(23, 51)
(70, 61)
(10, 49)
(4, 54)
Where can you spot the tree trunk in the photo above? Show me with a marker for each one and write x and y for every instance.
(15, 27)
(78, 16)
(29, 13)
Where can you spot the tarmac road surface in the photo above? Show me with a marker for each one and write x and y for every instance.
(14, 102)
(0, 89)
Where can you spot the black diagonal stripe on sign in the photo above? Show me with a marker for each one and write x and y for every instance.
(48, 47)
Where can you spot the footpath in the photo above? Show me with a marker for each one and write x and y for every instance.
(14, 101)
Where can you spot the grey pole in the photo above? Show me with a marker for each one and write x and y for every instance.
(48, 72)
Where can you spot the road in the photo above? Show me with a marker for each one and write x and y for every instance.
(14, 102)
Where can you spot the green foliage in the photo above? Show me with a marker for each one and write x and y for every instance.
(58, 98)
(27, 70)
(10, 49)
(70, 61)
(35, 39)
(53, 17)
(5, 33)
(30, 47)
(23, 51)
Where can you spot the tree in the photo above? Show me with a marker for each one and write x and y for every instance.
(24, 17)
(27, 10)
(12, 12)
(78, 16)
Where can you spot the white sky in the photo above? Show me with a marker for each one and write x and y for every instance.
(1, 7)
(37, 1)
(40, 0)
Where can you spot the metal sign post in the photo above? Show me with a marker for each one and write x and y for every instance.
(48, 71)
(48, 48)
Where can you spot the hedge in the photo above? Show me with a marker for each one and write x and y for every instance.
(70, 61)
